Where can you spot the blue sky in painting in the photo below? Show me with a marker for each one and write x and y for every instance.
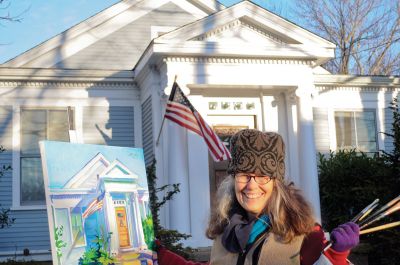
(64, 160)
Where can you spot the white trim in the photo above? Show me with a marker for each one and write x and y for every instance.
(190, 8)
(16, 127)
(156, 30)
(16, 153)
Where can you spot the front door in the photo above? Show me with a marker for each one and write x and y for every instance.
(122, 224)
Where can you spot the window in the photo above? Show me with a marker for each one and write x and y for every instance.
(37, 125)
(356, 130)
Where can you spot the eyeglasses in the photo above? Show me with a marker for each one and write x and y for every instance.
(245, 178)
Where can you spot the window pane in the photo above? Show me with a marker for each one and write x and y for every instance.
(32, 187)
(366, 131)
(77, 227)
(345, 129)
(356, 130)
(62, 225)
(33, 130)
(58, 126)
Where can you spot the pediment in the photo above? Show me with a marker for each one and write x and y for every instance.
(241, 32)
(118, 170)
(88, 176)
(244, 30)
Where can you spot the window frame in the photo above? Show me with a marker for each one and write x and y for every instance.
(16, 160)
(332, 125)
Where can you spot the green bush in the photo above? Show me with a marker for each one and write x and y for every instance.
(349, 181)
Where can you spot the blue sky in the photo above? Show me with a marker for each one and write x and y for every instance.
(75, 156)
(43, 19)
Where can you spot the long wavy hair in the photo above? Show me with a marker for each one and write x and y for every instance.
(290, 213)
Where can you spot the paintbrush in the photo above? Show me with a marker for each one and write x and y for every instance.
(378, 228)
(365, 211)
(388, 212)
(383, 208)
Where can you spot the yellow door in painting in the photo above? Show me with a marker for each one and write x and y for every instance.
(122, 225)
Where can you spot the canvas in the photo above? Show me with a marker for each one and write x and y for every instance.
(98, 204)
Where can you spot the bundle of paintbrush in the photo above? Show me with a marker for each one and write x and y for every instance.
(367, 217)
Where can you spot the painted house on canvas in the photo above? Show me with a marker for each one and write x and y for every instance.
(89, 196)
(106, 81)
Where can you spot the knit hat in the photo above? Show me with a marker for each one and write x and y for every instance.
(261, 153)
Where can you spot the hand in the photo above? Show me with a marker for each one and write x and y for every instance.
(345, 236)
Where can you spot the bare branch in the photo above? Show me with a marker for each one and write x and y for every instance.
(366, 32)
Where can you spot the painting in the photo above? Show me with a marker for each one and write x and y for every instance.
(98, 204)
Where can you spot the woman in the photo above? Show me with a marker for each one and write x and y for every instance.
(260, 219)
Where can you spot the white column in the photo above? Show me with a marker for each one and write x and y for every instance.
(199, 190)
(110, 215)
(179, 215)
(142, 242)
(292, 161)
(132, 221)
(307, 151)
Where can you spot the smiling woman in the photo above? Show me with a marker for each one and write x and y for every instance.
(259, 218)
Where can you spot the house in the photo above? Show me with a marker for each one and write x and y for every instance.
(106, 81)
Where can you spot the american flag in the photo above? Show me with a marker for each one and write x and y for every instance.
(94, 206)
(180, 110)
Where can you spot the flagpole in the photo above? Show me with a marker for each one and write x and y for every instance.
(162, 123)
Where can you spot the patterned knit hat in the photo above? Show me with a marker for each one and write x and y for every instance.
(261, 153)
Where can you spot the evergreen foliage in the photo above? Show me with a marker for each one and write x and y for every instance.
(169, 238)
(349, 181)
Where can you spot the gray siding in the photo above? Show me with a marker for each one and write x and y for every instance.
(147, 131)
(108, 126)
(30, 229)
(321, 130)
(122, 49)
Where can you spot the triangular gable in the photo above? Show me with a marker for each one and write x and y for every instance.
(83, 35)
(238, 31)
(88, 176)
(271, 36)
(251, 15)
(118, 170)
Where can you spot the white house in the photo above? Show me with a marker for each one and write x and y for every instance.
(107, 80)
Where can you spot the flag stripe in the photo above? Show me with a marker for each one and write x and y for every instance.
(179, 106)
(211, 144)
(183, 124)
(180, 110)
(222, 151)
(209, 132)
(189, 118)
(94, 206)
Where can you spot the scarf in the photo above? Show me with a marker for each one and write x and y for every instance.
(243, 230)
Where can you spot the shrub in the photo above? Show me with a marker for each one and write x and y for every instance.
(349, 181)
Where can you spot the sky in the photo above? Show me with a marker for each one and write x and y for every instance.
(44, 19)
(75, 156)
